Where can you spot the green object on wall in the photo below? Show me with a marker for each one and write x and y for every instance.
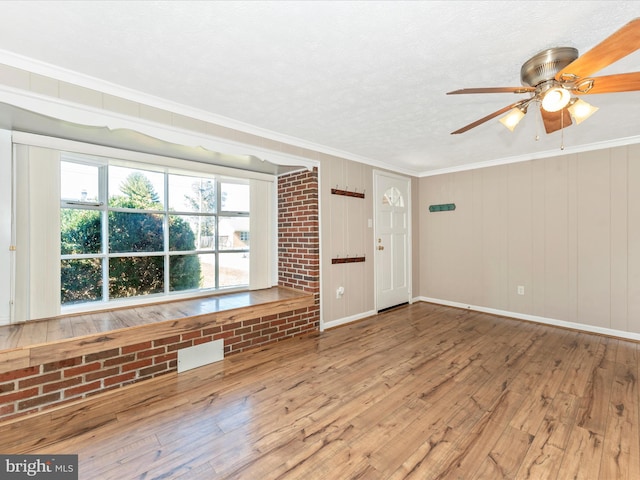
(444, 207)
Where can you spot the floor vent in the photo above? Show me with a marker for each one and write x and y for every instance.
(199, 355)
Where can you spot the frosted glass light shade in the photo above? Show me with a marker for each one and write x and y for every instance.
(581, 110)
(511, 119)
(555, 99)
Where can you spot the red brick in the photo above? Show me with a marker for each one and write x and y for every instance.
(92, 357)
(199, 341)
(119, 379)
(224, 335)
(255, 321)
(51, 387)
(243, 330)
(277, 335)
(192, 335)
(19, 395)
(248, 336)
(84, 388)
(37, 401)
(166, 341)
(178, 346)
(7, 409)
(127, 367)
(102, 373)
(69, 362)
(79, 370)
(240, 346)
(23, 372)
(166, 358)
(119, 360)
(150, 353)
(7, 387)
(134, 348)
(212, 331)
(155, 369)
(39, 380)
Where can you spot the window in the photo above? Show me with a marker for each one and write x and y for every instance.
(129, 230)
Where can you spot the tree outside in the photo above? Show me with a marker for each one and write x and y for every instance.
(129, 232)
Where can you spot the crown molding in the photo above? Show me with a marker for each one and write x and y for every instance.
(90, 116)
(620, 142)
(93, 83)
(58, 73)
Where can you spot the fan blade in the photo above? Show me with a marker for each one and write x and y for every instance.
(493, 90)
(622, 82)
(555, 120)
(488, 117)
(610, 50)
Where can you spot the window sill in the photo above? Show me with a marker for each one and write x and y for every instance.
(41, 341)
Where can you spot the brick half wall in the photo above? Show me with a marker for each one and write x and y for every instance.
(38, 387)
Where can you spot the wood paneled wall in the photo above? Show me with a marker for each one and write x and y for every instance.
(346, 232)
(566, 228)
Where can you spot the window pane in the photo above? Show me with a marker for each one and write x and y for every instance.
(234, 269)
(194, 232)
(192, 271)
(132, 276)
(132, 188)
(191, 194)
(234, 197)
(79, 182)
(135, 232)
(233, 233)
(80, 231)
(81, 281)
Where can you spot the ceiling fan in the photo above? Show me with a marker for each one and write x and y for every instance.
(557, 77)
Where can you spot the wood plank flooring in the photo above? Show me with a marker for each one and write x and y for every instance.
(419, 392)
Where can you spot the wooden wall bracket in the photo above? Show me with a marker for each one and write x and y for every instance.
(347, 260)
(347, 193)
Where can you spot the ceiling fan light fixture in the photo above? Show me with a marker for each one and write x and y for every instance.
(511, 119)
(556, 98)
(581, 110)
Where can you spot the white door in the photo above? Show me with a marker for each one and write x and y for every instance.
(392, 235)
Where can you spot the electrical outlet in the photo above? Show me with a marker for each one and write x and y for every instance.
(520, 289)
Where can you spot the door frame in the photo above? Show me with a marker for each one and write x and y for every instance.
(376, 266)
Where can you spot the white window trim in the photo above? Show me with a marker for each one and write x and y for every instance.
(264, 182)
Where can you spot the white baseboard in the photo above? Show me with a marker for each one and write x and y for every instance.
(345, 320)
(534, 318)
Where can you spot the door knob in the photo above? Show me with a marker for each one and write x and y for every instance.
(380, 247)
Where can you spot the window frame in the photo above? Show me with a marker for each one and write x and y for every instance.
(103, 205)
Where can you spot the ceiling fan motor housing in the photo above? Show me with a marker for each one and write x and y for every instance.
(544, 66)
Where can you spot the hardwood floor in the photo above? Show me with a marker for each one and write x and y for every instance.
(420, 392)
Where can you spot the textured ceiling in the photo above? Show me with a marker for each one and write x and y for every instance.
(363, 79)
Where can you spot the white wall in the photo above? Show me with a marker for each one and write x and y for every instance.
(5, 225)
